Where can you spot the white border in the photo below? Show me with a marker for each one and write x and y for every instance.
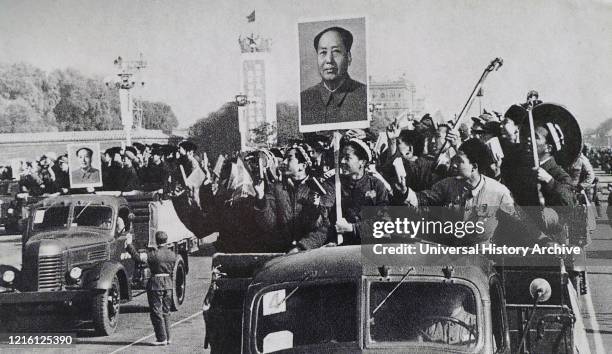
(95, 160)
(361, 124)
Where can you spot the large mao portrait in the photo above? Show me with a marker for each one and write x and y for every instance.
(333, 75)
(85, 165)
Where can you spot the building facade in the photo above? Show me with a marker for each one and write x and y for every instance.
(393, 99)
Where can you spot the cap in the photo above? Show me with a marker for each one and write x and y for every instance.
(138, 146)
(517, 114)
(161, 237)
(477, 152)
(361, 145)
(492, 128)
(486, 116)
(533, 93)
(188, 145)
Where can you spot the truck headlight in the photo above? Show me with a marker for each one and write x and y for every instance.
(75, 273)
(8, 276)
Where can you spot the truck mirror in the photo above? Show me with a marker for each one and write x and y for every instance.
(540, 290)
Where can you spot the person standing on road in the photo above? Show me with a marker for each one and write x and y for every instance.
(159, 288)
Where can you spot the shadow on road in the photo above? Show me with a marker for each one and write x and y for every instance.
(134, 309)
(109, 343)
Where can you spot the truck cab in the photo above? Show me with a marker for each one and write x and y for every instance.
(345, 299)
(74, 257)
(332, 299)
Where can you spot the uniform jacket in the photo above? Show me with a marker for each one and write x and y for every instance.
(559, 191)
(230, 214)
(582, 173)
(487, 203)
(161, 261)
(288, 211)
(347, 104)
(81, 176)
(517, 174)
(154, 176)
(357, 194)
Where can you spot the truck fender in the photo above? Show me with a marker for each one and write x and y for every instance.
(101, 277)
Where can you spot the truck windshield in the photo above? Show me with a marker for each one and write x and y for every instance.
(93, 215)
(51, 218)
(314, 314)
(57, 217)
(423, 312)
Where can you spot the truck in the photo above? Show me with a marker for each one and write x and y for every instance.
(335, 299)
(74, 258)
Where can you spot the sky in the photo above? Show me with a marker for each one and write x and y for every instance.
(562, 48)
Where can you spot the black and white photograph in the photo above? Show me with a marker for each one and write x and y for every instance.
(84, 164)
(333, 72)
(285, 176)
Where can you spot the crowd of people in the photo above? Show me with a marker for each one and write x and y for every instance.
(138, 167)
(286, 199)
(283, 199)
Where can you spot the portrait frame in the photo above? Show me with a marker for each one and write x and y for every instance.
(94, 178)
(308, 71)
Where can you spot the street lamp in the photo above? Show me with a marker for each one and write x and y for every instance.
(479, 95)
(126, 81)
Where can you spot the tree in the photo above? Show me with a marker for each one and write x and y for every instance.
(218, 132)
(261, 135)
(27, 98)
(287, 122)
(158, 115)
(66, 100)
(85, 103)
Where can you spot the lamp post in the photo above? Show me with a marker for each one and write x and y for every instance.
(126, 81)
(479, 95)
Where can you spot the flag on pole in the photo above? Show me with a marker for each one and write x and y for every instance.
(251, 17)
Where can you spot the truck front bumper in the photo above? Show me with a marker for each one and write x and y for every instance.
(44, 297)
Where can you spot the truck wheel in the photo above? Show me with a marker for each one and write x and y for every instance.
(106, 309)
(180, 283)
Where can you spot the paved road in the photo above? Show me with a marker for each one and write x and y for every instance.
(599, 267)
(134, 332)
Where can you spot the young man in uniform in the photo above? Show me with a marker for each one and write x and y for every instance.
(159, 288)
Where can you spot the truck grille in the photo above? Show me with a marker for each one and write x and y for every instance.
(50, 269)
(97, 255)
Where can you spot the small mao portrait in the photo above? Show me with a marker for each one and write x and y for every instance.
(84, 163)
(333, 74)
